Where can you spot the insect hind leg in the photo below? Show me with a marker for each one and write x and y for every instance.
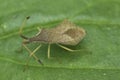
(68, 49)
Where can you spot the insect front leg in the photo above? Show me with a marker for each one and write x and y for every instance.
(32, 53)
(38, 30)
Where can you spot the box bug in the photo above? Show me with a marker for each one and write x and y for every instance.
(66, 33)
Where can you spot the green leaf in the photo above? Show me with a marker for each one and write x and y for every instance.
(100, 58)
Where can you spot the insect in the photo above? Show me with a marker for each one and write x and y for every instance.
(66, 33)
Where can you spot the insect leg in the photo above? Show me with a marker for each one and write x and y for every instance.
(49, 51)
(68, 49)
(32, 53)
(35, 50)
(38, 30)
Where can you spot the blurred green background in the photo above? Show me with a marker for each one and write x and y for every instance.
(100, 59)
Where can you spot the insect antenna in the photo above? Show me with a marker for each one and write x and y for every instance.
(21, 28)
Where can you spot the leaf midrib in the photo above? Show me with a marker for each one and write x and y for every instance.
(55, 67)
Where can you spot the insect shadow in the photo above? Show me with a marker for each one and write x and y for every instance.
(66, 33)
